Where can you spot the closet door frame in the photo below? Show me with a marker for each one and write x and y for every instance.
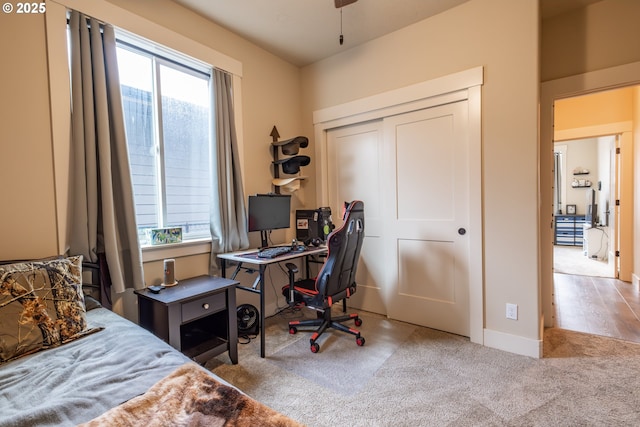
(461, 86)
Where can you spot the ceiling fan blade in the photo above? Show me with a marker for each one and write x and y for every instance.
(341, 3)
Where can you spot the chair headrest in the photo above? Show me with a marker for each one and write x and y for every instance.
(354, 206)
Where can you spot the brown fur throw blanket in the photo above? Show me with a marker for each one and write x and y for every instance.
(191, 397)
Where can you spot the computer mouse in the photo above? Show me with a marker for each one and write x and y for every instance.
(155, 289)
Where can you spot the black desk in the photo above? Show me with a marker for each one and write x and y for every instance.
(250, 257)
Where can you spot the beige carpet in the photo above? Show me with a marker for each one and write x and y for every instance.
(570, 260)
(340, 354)
(439, 379)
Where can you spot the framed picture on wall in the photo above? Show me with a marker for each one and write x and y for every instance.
(571, 209)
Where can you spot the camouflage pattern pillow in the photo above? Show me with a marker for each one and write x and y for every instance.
(41, 305)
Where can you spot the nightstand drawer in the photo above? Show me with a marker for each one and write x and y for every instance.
(203, 307)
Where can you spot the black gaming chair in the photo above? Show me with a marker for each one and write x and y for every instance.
(336, 280)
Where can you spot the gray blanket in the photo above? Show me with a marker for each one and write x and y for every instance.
(83, 379)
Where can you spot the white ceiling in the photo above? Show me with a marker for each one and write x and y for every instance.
(305, 31)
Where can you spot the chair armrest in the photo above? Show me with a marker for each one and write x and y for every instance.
(293, 269)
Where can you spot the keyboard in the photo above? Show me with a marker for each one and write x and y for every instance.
(274, 251)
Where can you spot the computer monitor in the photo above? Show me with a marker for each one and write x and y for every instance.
(591, 217)
(268, 212)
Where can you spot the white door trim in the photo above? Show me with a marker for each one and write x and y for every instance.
(464, 85)
(550, 91)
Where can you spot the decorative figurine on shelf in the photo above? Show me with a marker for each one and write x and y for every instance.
(579, 170)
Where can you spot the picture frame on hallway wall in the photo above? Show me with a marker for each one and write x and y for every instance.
(571, 209)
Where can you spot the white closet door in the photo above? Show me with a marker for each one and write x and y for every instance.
(354, 155)
(412, 172)
(427, 217)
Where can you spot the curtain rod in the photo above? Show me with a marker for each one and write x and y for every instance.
(88, 20)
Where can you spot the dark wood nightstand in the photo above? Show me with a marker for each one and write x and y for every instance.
(197, 316)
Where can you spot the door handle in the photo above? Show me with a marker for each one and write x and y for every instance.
(462, 231)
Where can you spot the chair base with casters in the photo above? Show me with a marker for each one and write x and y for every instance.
(328, 321)
(335, 281)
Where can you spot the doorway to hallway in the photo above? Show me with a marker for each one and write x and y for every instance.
(587, 296)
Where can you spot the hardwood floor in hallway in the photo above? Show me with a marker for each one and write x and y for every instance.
(597, 305)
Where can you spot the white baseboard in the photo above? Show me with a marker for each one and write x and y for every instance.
(513, 343)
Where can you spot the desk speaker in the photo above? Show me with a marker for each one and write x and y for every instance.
(169, 272)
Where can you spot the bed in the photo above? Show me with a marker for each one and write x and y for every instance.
(104, 369)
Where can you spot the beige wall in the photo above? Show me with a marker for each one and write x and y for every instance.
(600, 108)
(28, 212)
(502, 36)
(603, 35)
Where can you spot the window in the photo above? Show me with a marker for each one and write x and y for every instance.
(167, 109)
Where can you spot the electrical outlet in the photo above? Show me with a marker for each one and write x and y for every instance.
(512, 311)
